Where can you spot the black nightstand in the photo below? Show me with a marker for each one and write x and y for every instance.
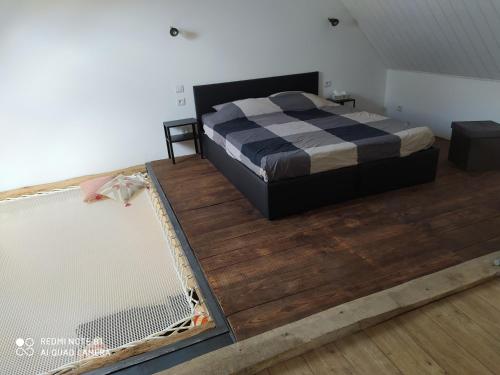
(343, 101)
(171, 139)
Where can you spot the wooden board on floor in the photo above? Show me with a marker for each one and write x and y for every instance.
(294, 267)
(410, 353)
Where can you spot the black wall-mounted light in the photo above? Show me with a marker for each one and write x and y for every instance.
(174, 31)
(334, 21)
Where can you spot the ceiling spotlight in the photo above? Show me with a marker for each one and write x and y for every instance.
(174, 31)
(334, 21)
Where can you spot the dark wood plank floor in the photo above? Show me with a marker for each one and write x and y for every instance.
(266, 274)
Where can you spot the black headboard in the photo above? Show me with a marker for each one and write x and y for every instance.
(206, 96)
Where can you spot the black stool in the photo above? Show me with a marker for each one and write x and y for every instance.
(475, 145)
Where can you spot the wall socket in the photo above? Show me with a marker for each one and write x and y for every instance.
(399, 108)
(328, 84)
(181, 102)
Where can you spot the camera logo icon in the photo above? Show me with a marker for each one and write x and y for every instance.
(24, 347)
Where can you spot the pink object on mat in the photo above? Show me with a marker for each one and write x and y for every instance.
(123, 188)
(90, 188)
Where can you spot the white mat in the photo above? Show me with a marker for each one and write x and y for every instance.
(70, 269)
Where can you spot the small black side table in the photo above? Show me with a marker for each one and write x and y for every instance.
(344, 101)
(171, 139)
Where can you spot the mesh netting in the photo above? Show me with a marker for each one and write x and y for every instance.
(81, 279)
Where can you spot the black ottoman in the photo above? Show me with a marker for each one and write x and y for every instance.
(475, 145)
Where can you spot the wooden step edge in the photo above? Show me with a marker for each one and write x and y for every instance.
(260, 352)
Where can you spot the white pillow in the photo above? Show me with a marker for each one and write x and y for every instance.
(253, 106)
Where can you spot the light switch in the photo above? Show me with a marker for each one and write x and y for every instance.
(179, 89)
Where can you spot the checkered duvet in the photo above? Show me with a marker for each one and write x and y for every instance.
(283, 141)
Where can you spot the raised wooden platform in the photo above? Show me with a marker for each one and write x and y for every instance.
(262, 351)
(267, 274)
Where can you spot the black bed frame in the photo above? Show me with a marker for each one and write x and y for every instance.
(281, 198)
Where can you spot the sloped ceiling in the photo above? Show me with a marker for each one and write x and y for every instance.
(459, 37)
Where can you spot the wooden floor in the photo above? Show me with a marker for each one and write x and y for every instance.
(457, 335)
(266, 274)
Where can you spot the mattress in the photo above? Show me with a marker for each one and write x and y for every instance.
(73, 273)
(287, 144)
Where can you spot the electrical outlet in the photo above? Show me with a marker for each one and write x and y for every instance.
(328, 84)
(181, 102)
(179, 89)
(399, 108)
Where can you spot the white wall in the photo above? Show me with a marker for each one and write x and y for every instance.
(86, 84)
(438, 100)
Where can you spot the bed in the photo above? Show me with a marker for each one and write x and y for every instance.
(377, 154)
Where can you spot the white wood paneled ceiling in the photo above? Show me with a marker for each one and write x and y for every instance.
(459, 37)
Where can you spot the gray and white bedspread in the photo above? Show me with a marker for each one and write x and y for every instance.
(285, 144)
